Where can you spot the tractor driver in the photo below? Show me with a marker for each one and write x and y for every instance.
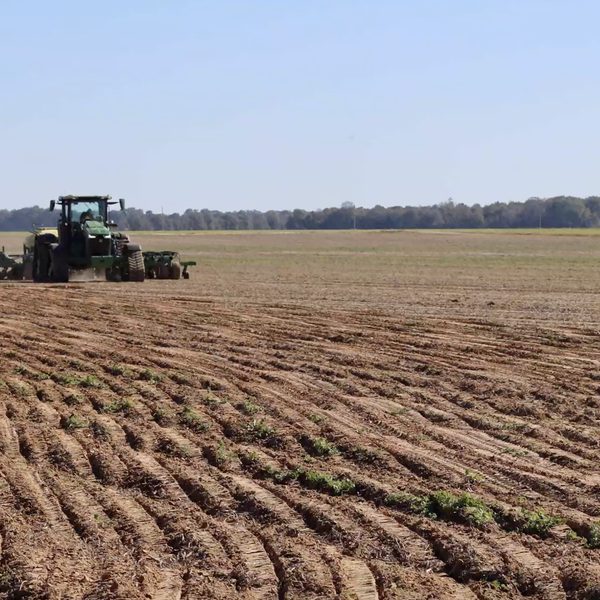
(86, 216)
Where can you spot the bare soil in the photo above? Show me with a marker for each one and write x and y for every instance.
(367, 416)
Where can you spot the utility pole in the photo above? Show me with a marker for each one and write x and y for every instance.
(162, 212)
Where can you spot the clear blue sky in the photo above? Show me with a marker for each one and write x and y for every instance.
(240, 104)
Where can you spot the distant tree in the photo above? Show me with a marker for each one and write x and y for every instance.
(566, 212)
(209, 220)
(230, 221)
(296, 219)
(447, 211)
(560, 211)
(593, 205)
(430, 218)
(498, 216)
(274, 220)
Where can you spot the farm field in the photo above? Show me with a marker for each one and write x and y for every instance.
(339, 415)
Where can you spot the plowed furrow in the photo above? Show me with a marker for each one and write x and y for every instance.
(358, 581)
(155, 481)
(39, 549)
(411, 548)
(261, 502)
(299, 567)
(536, 577)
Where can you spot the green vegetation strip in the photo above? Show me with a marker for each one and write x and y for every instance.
(315, 480)
(444, 505)
(192, 420)
(594, 536)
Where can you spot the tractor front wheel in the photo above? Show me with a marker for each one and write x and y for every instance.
(112, 274)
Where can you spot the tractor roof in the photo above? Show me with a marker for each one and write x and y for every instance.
(71, 198)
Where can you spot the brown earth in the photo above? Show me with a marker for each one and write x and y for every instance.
(303, 418)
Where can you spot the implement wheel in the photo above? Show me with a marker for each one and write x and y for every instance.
(175, 270)
(163, 272)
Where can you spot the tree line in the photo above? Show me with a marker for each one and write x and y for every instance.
(560, 211)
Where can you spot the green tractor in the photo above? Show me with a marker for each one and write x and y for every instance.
(86, 241)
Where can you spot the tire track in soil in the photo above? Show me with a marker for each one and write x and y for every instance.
(295, 559)
(265, 503)
(158, 573)
(40, 551)
(158, 482)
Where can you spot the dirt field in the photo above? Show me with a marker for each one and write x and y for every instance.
(366, 416)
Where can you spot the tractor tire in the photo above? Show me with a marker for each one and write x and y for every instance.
(175, 270)
(34, 266)
(59, 268)
(19, 272)
(28, 270)
(136, 266)
(41, 262)
(163, 272)
(113, 274)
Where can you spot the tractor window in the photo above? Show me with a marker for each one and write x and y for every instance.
(92, 211)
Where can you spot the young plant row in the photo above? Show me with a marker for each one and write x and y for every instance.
(442, 504)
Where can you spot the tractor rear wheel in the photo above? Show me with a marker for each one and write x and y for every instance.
(175, 270)
(41, 262)
(28, 269)
(136, 266)
(59, 268)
